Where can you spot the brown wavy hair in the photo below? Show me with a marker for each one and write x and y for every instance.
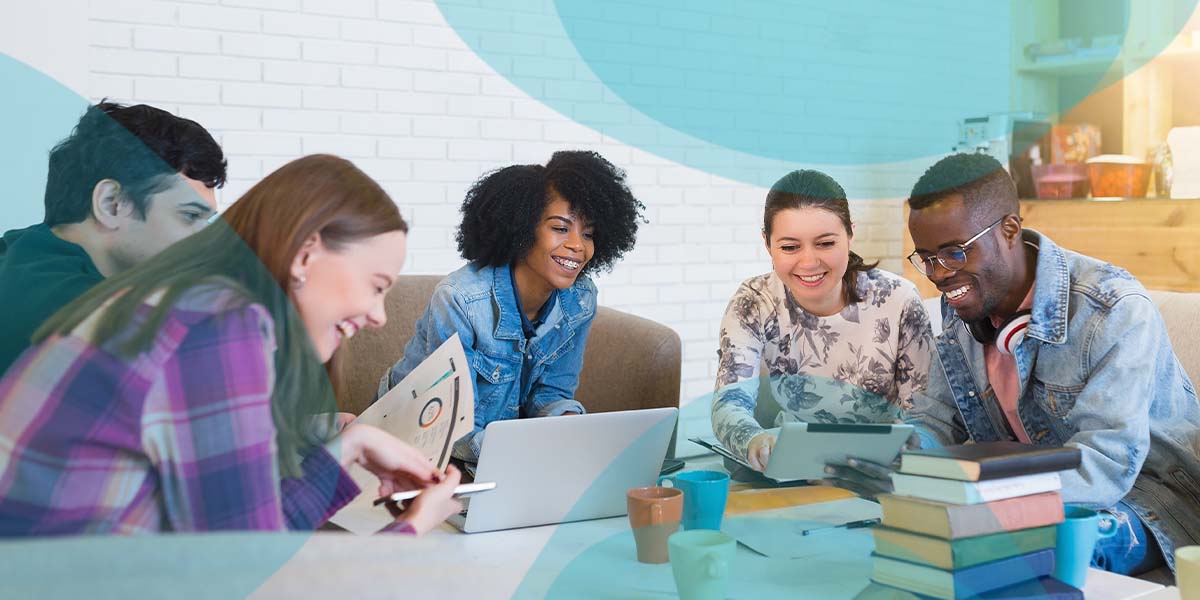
(250, 250)
(813, 189)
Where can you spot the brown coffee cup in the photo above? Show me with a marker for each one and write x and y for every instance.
(654, 514)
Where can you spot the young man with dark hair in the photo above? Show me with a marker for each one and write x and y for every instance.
(128, 182)
(1094, 369)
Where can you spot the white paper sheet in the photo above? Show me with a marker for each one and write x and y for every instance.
(433, 406)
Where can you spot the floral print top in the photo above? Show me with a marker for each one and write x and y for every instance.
(858, 366)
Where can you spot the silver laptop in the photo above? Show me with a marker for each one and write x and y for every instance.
(561, 469)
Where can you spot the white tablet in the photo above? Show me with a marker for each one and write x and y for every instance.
(802, 449)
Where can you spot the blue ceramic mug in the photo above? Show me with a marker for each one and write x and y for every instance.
(1077, 537)
(704, 496)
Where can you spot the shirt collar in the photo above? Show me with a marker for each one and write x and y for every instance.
(1051, 294)
(529, 328)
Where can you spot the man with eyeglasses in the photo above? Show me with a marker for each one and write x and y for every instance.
(1046, 346)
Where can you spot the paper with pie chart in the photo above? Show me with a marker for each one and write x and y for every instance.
(433, 406)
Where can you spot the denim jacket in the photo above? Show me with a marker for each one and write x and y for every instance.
(478, 303)
(1097, 372)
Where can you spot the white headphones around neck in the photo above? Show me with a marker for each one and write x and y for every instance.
(1007, 336)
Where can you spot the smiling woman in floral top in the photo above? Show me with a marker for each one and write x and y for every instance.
(842, 341)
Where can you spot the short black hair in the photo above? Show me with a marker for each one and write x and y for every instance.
(503, 208)
(986, 188)
(137, 146)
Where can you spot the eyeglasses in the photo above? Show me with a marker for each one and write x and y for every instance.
(952, 257)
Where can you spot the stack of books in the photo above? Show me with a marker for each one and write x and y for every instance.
(976, 520)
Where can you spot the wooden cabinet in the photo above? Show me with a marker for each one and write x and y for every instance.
(1135, 90)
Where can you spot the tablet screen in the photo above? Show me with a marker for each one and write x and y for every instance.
(803, 449)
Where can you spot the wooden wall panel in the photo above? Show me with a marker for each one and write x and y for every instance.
(1156, 240)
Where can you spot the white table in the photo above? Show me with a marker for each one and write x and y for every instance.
(1167, 593)
(490, 565)
(449, 564)
(442, 564)
(335, 565)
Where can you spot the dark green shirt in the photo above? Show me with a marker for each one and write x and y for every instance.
(39, 274)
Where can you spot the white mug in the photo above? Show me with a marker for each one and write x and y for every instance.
(1187, 572)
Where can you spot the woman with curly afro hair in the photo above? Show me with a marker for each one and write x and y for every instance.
(523, 305)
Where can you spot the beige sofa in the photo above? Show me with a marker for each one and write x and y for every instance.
(1181, 312)
(629, 362)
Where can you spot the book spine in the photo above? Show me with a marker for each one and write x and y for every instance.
(1000, 489)
(1028, 465)
(1002, 573)
(1005, 515)
(964, 492)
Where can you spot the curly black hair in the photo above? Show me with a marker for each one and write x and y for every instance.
(503, 208)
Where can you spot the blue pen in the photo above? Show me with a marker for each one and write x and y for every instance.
(850, 525)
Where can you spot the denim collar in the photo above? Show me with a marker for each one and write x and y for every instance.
(1051, 295)
(508, 323)
(529, 328)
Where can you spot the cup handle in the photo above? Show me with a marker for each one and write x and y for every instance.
(715, 566)
(666, 478)
(656, 515)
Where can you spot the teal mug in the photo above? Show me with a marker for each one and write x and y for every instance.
(700, 562)
(1077, 537)
(704, 496)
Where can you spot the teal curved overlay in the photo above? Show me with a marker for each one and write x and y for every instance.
(598, 558)
(38, 113)
(739, 88)
(216, 565)
(837, 566)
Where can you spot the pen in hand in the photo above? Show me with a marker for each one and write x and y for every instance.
(849, 525)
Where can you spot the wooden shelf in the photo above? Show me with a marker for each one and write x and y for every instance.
(1156, 239)
(1070, 66)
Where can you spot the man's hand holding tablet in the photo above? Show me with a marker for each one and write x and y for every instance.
(865, 477)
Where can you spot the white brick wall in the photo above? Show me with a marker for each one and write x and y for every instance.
(389, 84)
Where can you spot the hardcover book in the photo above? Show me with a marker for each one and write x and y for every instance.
(955, 521)
(974, 492)
(961, 583)
(1042, 588)
(988, 460)
(961, 553)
